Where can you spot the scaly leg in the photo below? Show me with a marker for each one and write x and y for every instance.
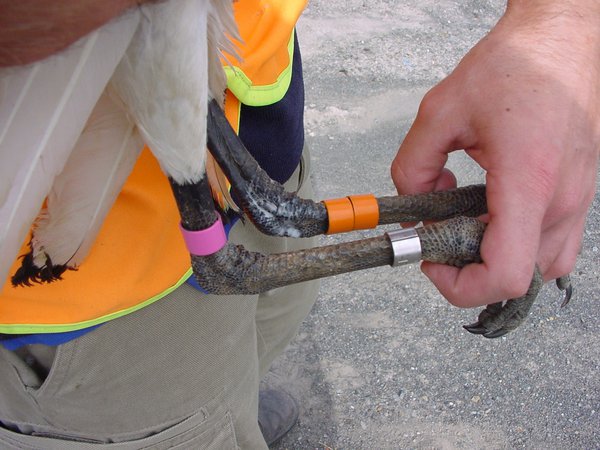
(279, 213)
(234, 270)
(496, 319)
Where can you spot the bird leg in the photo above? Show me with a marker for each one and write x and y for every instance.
(276, 212)
(234, 270)
(496, 319)
(456, 241)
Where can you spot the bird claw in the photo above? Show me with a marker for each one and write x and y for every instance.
(479, 328)
(564, 284)
(495, 326)
(498, 319)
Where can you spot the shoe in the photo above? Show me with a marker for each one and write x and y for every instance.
(277, 414)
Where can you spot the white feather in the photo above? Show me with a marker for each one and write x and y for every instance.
(164, 80)
(221, 32)
(43, 108)
(86, 189)
(170, 70)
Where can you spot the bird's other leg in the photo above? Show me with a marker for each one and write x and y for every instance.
(273, 210)
(195, 204)
(234, 270)
(439, 241)
(277, 212)
(469, 201)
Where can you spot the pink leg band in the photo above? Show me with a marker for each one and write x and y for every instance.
(205, 242)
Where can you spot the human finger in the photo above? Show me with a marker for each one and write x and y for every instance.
(509, 249)
(419, 164)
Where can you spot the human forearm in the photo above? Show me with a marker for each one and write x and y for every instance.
(31, 30)
(583, 8)
(574, 20)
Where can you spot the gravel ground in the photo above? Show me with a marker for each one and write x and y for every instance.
(382, 361)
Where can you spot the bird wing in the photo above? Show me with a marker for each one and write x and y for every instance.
(84, 192)
(168, 75)
(43, 108)
(163, 79)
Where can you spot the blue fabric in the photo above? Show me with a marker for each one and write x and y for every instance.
(14, 342)
(274, 134)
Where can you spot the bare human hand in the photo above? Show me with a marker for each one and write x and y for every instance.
(525, 104)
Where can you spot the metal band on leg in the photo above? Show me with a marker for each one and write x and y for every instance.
(406, 245)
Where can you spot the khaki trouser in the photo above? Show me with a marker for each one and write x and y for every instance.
(182, 372)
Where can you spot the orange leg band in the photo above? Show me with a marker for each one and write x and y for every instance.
(356, 212)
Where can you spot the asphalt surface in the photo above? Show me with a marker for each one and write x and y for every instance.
(382, 361)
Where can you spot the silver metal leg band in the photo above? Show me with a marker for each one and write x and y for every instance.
(406, 245)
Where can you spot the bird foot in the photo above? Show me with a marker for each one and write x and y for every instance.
(500, 318)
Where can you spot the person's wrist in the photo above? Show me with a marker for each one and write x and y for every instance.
(580, 10)
(559, 37)
(578, 19)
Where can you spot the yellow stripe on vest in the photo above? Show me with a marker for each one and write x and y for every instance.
(264, 72)
(260, 95)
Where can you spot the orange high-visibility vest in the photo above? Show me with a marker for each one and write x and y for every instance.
(139, 255)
